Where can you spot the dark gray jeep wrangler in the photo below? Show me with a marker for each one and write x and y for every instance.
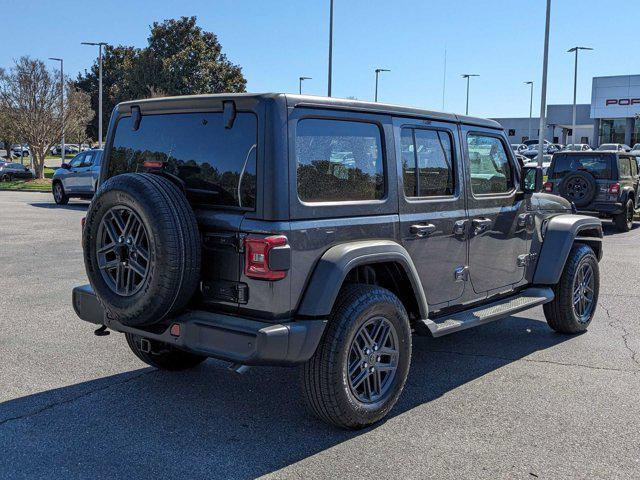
(282, 229)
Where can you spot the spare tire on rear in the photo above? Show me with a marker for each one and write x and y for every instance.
(579, 187)
(142, 248)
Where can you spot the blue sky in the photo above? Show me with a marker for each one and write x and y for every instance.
(276, 41)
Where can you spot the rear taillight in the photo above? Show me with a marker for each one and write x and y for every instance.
(614, 188)
(548, 187)
(258, 261)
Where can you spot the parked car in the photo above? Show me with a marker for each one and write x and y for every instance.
(78, 178)
(614, 147)
(604, 183)
(20, 151)
(577, 147)
(69, 149)
(386, 219)
(12, 171)
(518, 147)
(635, 150)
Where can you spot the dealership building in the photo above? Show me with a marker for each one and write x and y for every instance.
(613, 116)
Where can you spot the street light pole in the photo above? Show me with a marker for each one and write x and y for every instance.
(575, 88)
(301, 79)
(543, 94)
(330, 45)
(99, 45)
(61, 101)
(530, 107)
(378, 70)
(468, 77)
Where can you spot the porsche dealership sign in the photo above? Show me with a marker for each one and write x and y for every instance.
(615, 97)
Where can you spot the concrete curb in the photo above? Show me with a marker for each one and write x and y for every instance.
(24, 190)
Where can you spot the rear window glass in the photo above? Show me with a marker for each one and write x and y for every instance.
(216, 164)
(427, 162)
(597, 165)
(339, 161)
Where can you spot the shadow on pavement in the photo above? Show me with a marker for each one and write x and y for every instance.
(69, 206)
(211, 423)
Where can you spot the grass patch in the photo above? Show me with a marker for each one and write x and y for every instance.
(44, 184)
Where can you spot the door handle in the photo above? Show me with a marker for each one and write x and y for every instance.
(480, 225)
(422, 230)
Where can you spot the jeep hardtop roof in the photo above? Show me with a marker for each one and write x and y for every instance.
(309, 101)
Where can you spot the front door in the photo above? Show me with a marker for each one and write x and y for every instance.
(432, 206)
(498, 212)
(71, 181)
(85, 173)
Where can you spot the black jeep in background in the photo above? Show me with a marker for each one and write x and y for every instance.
(282, 229)
(602, 183)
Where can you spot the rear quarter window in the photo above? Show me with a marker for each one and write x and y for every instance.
(339, 161)
(216, 164)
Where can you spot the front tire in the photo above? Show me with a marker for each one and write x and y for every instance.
(576, 294)
(624, 220)
(163, 357)
(361, 365)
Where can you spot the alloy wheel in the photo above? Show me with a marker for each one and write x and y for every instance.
(584, 292)
(373, 360)
(122, 248)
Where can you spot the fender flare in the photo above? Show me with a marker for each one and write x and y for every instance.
(333, 267)
(560, 234)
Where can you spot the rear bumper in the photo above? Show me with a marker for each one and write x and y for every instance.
(236, 339)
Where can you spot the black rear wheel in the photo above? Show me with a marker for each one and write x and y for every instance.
(360, 367)
(624, 220)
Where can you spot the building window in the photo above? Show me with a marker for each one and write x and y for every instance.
(612, 130)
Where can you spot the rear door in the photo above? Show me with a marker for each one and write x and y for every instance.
(214, 159)
(432, 206)
(500, 216)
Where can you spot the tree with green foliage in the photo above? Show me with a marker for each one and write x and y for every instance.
(180, 59)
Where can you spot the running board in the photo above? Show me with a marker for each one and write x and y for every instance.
(481, 314)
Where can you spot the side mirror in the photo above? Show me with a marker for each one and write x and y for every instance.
(531, 179)
(66, 166)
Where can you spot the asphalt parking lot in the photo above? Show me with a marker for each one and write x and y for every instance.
(510, 399)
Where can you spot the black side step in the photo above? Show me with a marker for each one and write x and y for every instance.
(531, 297)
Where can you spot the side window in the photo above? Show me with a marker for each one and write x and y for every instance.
(624, 167)
(77, 160)
(427, 162)
(491, 171)
(339, 160)
(88, 159)
(634, 167)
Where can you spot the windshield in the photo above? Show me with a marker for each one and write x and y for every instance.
(608, 146)
(216, 164)
(597, 165)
